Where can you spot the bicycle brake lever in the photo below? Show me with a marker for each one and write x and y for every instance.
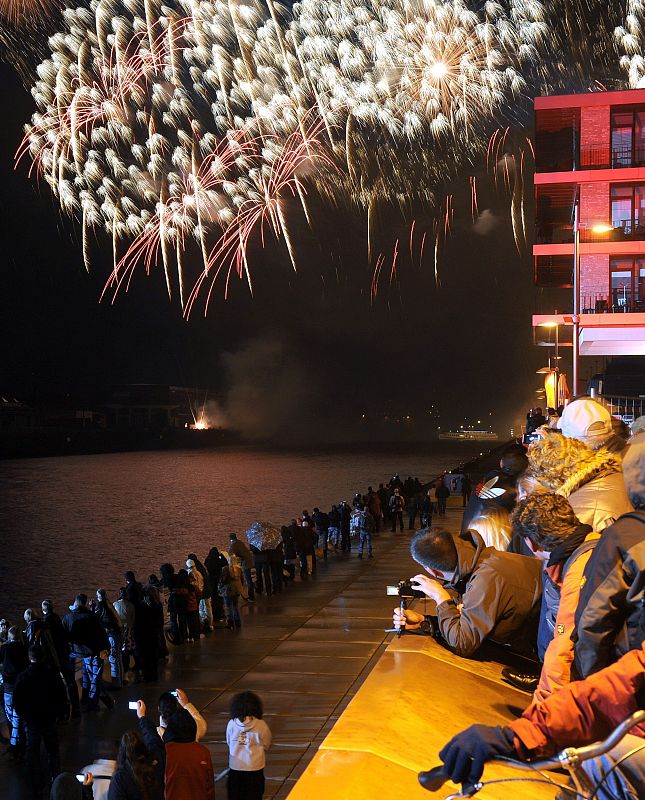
(433, 779)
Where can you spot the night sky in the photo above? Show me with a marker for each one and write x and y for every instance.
(309, 353)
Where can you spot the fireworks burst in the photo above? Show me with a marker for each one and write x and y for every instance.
(195, 128)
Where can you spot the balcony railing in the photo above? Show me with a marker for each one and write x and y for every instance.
(620, 301)
(604, 157)
(623, 230)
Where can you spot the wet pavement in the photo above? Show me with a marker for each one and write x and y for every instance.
(305, 652)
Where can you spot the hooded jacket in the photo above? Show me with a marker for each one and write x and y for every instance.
(248, 740)
(565, 575)
(584, 711)
(500, 593)
(610, 619)
(591, 480)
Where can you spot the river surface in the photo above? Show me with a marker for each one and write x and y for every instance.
(76, 523)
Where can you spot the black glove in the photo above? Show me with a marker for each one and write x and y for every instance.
(465, 754)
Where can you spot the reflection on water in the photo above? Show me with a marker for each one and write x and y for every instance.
(76, 523)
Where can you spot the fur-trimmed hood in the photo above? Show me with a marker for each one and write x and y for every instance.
(592, 481)
(564, 465)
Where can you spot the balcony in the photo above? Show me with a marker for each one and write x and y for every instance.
(623, 230)
(620, 301)
(602, 157)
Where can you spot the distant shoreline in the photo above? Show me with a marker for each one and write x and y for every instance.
(58, 443)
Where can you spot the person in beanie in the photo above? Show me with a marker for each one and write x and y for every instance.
(248, 738)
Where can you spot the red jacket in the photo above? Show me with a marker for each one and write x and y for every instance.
(189, 772)
(584, 711)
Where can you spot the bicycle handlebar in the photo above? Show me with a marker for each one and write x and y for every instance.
(434, 779)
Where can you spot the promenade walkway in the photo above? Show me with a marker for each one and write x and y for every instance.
(305, 652)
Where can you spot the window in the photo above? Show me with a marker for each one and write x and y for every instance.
(627, 283)
(628, 138)
(628, 208)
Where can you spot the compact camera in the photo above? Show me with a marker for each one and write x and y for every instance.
(404, 590)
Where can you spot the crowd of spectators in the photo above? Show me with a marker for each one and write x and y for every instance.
(550, 564)
(45, 657)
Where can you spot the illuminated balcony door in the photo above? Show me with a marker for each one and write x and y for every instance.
(627, 284)
(628, 209)
(628, 138)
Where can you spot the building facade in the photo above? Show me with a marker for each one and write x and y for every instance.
(590, 151)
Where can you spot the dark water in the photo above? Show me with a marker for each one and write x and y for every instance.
(77, 523)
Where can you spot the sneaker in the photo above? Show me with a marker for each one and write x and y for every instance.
(360, 555)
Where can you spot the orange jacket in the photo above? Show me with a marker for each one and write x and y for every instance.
(556, 669)
(584, 711)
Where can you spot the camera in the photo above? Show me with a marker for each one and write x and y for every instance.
(404, 590)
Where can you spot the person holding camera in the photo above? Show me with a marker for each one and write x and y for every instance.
(480, 593)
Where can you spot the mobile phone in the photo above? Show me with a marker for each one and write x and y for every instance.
(393, 590)
(133, 705)
(174, 694)
(80, 777)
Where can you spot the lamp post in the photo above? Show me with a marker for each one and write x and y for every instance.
(576, 287)
(598, 228)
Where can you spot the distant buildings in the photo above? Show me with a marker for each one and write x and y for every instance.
(590, 148)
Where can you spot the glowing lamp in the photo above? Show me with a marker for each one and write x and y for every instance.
(602, 228)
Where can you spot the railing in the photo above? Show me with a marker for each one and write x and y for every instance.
(623, 230)
(604, 157)
(620, 301)
(628, 409)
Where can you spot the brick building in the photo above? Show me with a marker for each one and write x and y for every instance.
(590, 150)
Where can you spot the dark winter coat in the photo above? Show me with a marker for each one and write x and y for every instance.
(107, 617)
(321, 520)
(610, 619)
(239, 549)
(13, 660)
(260, 556)
(214, 563)
(345, 518)
(501, 595)
(85, 632)
(288, 544)
(59, 635)
(39, 696)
